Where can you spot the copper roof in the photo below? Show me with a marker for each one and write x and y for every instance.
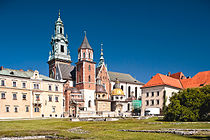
(85, 44)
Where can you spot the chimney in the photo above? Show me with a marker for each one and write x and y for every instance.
(1, 68)
(169, 73)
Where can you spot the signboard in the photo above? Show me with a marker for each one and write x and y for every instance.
(136, 104)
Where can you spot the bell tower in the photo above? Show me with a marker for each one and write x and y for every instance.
(60, 53)
(85, 74)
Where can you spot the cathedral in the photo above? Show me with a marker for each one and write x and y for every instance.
(89, 88)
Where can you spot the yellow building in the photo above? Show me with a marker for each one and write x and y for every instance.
(28, 94)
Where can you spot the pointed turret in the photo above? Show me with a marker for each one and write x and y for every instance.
(85, 44)
(102, 57)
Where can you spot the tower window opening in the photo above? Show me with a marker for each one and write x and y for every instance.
(61, 30)
(62, 48)
(89, 55)
(83, 55)
(89, 67)
(89, 79)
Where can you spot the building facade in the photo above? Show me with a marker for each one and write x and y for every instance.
(157, 91)
(90, 80)
(28, 94)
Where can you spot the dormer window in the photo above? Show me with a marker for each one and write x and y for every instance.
(62, 48)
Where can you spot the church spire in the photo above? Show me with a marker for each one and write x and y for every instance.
(59, 14)
(102, 54)
(101, 62)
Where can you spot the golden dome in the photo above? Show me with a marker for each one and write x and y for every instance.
(117, 91)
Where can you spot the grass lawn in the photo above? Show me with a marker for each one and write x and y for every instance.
(97, 130)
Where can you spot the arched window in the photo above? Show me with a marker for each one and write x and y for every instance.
(89, 79)
(136, 92)
(89, 68)
(89, 55)
(83, 54)
(61, 30)
(89, 103)
(128, 107)
(122, 87)
(129, 91)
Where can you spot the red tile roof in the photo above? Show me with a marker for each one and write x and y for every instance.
(200, 79)
(175, 80)
(160, 79)
(178, 75)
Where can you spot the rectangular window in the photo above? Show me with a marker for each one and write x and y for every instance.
(147, 102)
(50, 98)
(56, 98)
(62, 48)
(14, 96)
(3, 96)
(50, 87)
(27, 109)
(36, 86)
(7, 108)
(152, 102)
(147, 94)
(158, 93)
(37, 98)
(2, 83)
(24, 96)
(36, 109)
(15, 109)
(158, 102)
(14, 84)
(56, 88)
(152, 94)
(23, 85)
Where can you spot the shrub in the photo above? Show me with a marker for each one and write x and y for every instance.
(189, 105)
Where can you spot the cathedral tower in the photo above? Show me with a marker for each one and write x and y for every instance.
(59, 56)
(85, 74)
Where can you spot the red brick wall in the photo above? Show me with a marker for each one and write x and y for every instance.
(103, 74)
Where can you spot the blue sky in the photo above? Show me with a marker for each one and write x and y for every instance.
(140, 37)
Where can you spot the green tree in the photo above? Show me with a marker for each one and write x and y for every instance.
(192, 104)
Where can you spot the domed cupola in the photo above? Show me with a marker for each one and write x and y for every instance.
(117, 91)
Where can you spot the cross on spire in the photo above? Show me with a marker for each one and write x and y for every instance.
(102, 49)
(59, 14)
